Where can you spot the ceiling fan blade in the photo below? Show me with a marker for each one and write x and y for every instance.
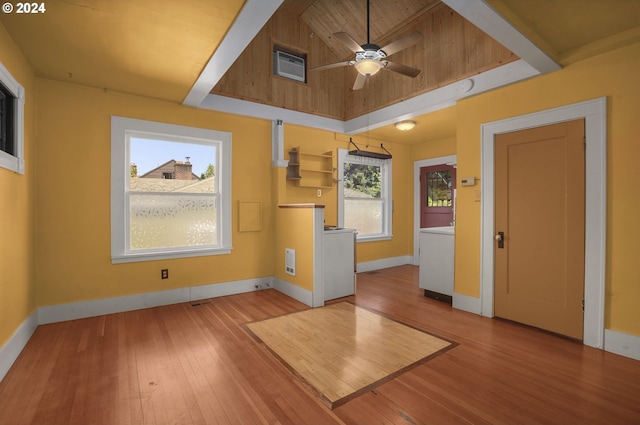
(348, 41)
(331, 65)
(360, 80)
(402, 69)
(402, 43)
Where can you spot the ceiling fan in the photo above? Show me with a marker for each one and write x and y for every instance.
(370, 57)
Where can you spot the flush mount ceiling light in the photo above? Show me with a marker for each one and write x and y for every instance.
(405, 125)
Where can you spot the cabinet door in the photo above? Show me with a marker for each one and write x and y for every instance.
(339, 276)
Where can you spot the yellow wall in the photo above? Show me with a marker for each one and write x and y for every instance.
(17, 279)
(57, 248)
(614, 75)
(73, 196)
(320, 141)
(294, 230)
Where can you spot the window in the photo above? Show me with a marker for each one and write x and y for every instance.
(438, 188)
(364, 196)
(11, 122)
(170, 191)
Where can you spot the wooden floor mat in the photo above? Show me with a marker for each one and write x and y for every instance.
(341, 351)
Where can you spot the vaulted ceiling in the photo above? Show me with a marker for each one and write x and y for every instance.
(179, 50)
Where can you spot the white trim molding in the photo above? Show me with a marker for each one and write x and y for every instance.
(595, 113)
(449, 160)
(294, 291)
(431, 101)
(253, 16)
(123, 131)
(466, 303)
(483, 16)
(318, 258)
(622, 343)
(383, 263)
(14, 162)
(92, 308)
(10, 351)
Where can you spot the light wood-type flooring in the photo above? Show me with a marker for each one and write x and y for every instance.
(342, 350)
(181, 364)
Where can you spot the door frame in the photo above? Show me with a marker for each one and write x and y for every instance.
(594, 113)
(449, 160)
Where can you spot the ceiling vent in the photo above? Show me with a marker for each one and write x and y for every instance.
(288, 66)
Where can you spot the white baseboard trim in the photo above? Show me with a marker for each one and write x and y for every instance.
(384, 263)
(84, 309)
(215, 290)
(10, 351)
(293, 291)
(622, 343)
(467, 303)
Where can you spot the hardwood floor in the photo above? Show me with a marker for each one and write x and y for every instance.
(181, 364)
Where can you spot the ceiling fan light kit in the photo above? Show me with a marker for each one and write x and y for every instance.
(369, 57)
(368, 67)
(405, 125)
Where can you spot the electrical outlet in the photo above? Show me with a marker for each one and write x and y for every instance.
(164, 273)
(319, 193)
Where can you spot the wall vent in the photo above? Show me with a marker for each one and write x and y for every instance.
(288, 66)
(290, 261)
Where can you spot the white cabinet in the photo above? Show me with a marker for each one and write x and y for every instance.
(339, 263)
(436, 262)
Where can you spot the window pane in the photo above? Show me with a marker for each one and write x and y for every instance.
(364, 214)
(362, 180)
(169, 220)
(438, 189)
(168, 205)
(6, 121)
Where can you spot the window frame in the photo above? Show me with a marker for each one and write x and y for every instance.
(386, 194)
(122, 129)
(14, 162)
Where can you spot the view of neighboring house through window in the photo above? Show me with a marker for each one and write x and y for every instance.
(175, 197)
(365, 195)
(170, 205)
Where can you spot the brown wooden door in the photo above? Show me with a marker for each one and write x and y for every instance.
(437, 185)
(539, 206)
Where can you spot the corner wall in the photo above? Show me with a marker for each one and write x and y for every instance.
(73, 196)
(613, 75)
(17, 206)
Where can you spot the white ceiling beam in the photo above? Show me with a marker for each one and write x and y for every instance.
(483, 16)
(253, 16)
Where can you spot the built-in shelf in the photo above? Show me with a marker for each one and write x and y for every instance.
(310, 169)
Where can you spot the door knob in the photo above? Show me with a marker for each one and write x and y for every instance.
(500, 238)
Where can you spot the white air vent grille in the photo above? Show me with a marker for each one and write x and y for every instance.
(290, 261)
(289, 66)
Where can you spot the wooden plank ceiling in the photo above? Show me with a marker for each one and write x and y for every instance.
(452, 49)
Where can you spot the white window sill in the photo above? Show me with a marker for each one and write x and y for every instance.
(167, 255)
(374, 238)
